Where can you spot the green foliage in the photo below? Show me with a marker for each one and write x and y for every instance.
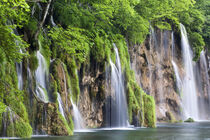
(31, 26)
(149, 111)
(197, 44)
(98, 51)
(2, 108)
(73, 42)
(194, 20)
(10, 43)
(44, 44)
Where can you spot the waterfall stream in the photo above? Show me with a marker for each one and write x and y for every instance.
(189, 98)
(203, 87)
(176, 69)
(78, 120)
(119, 116)
(60, 105)
(41, 74)
(19, 69)
(204, 68)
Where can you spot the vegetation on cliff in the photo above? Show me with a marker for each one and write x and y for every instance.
(80, 31)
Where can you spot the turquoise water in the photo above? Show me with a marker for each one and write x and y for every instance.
(164, 131)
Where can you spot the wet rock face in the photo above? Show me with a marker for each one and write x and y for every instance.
(155, 74)
(92, 94)
(49, 121)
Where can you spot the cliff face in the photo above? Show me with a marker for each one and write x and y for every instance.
(152, 63)
(92, 94)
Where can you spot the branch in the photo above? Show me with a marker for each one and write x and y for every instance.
(43, 20)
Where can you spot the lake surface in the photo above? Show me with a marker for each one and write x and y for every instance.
(164, 131)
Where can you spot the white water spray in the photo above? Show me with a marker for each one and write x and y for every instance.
(19, 69)
(119, 116)
(41, 74)
(176, 69)
(60, 105)
(78, 120)
(189, 98)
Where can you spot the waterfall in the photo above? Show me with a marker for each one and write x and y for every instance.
(119, 116)
(189, 98)
(176, 70)
(60, 105)
(202, 82)
(41, 74)
(178, 79)
(152, 41)
(19, 66)
(172, 46)
(52, 21)
(78, 120)
(19, 69)
(204, 67)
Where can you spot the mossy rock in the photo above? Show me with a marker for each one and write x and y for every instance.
(149, 111)
(171, 117)
(19, 129)
(190, 120)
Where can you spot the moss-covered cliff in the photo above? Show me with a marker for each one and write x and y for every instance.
(54, 53)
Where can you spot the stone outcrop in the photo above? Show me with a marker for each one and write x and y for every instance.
(151, 62)
(92, 94)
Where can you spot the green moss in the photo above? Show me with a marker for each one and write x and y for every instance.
(71, 124)
(34, 63)
(74, 79)
(149, 111)
(130, 102)
(19, 129)
(44, 47)
(171, 117)
(53, 88)
(189, 120)
(69, 130)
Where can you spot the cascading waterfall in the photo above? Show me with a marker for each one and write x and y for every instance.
(119, 116)
(19, 66)
(41, 74)
(19, 69)
(178, 78)
(176, 70)
(204, 67)
(60, 105)
(152, 42)
(78, 120)
(189, 98)
(202, 82)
